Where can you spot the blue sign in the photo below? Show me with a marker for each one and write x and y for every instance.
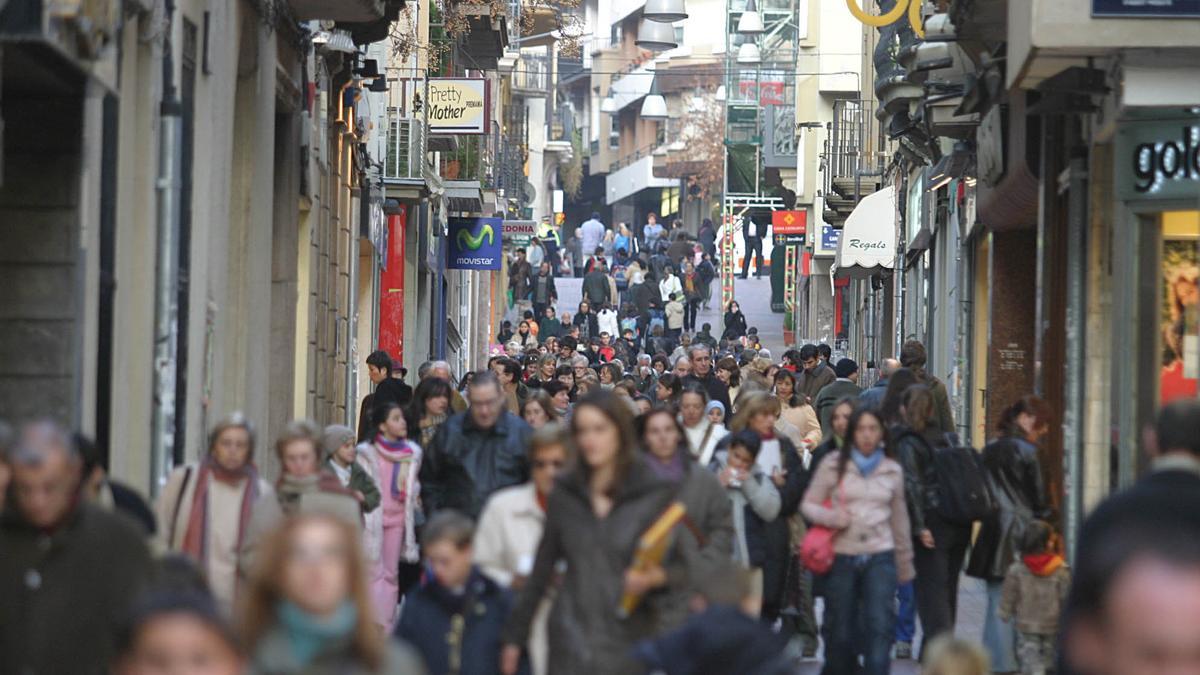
(1147, 8)
(830, 237)
(474, 243)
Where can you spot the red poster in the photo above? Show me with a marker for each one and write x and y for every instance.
(391, 290)
(789, 222)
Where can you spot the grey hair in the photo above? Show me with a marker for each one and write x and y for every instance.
(890, 366)
(438, 365)
(699, 347)
(234, 420)
(38, 440)
(423, 369)
(683, 359)
(579, 360)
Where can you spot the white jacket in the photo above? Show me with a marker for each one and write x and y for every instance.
(669, 286)
(607, 318)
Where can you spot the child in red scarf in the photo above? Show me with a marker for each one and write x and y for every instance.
(1033, 593)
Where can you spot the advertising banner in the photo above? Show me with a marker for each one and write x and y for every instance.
(457, 105)
(474, 244)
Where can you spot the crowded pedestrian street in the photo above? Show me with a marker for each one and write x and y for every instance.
(600, 337)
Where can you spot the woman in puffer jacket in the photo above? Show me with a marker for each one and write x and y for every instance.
(873, 545)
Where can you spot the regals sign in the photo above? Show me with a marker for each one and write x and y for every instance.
(457, 105)
(474, 244)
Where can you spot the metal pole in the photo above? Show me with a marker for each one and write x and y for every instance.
(1076, 336)
(162, 437)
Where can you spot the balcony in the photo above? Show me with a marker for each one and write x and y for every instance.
(634, 173)
(531, 76)
(571, 70)
(466, 171)
(404, 151)
(350, 11)
(483, 44)
(846, 163)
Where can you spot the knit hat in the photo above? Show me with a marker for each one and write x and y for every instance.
(845, 368)
(335, 436)
(714, 405)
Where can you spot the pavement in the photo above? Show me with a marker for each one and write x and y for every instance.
(752, 294)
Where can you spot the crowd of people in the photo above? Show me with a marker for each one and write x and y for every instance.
(676, 505)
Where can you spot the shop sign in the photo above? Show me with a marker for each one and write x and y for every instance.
(830, 237)
(789, 222)
(519, 232)
(457, 105)
(779, 239)
(474, 243)
(1159, 161)
(1150, 8)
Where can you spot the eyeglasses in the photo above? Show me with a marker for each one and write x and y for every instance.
(548, 463)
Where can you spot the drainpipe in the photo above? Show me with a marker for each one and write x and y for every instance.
(166, 327)
(1076, 337)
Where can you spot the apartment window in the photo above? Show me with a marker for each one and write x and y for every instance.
(614, 34)
(614, 131)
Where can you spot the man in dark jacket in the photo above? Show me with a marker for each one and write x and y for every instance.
(380, 369)
(520, 273)
(815, 374)
(544, 292)
(913, 357)
(845, 386)
(703, 376)
(872, 397)
(68, 569)
(595, 285)
(752, 236)
(476, 452)
(455, 618)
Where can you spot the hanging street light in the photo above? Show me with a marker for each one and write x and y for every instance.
(654, 106)
(655, 36)
(748, 54)
(608, 104)
(665, 11)
(751, 22)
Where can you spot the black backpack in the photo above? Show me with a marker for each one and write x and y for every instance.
(964, 493)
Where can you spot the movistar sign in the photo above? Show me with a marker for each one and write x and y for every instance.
(474, 244)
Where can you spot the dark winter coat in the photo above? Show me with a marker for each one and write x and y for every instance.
(64, 594)
(427, 623)
(828, 396)
(914, 451)
(872, 397)
(1016, 480)
(596, 288)
(714, 388)
(465, 464)
(644, 296)
(586, 636)
(549, 327)
(735, 324)
(543, 289)
(519, 276)
(589, 324)
(705, 542)
(361, 481)
(719, 641)
(811, 383)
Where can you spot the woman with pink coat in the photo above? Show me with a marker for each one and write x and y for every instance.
(394, 462)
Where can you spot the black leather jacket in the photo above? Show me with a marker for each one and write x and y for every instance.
(1016, 480)
(915, 452)
(465, 464)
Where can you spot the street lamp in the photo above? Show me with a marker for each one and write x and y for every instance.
(665, 11)
(748, 54)
(608, 104)
(751, 22)
(656, 36)
(654, 106)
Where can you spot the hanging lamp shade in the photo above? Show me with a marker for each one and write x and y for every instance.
(656, 36)
(665, 11)
(654, 106)
(608, 104)
(748, 53)
(751, 22)
(721, 93)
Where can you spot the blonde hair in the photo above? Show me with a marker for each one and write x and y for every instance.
(264, 592)
(751, 404)
(948, 655)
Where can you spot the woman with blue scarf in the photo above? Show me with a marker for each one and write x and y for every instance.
(859, 492)
(307, 609)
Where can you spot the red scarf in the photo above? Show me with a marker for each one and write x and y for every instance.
(541, 499)
(195, 538)
(1043, 564)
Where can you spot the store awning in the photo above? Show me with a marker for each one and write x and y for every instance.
(868, 244)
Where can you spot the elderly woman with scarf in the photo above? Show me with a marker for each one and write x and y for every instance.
(205, 507)
(303, 487)
(391, 531)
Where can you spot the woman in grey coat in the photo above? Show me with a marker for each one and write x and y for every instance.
(594, 519)
(705, 541)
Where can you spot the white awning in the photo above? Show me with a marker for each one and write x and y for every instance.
(868, 242)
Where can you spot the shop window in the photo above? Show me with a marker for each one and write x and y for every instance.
(1179, 311)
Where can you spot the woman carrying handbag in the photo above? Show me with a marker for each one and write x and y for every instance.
(872, 545)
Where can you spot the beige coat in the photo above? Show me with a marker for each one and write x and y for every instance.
(804, 418)
(224, 512)
(869, 513)
(268, 514)
(506, 542)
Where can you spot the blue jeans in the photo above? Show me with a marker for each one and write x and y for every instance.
(860, 594)
(906, 617)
